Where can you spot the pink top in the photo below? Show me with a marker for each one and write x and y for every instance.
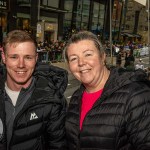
(88, 99)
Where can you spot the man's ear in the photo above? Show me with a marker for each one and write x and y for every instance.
(104, 56)
(37, 55)
(3, 57)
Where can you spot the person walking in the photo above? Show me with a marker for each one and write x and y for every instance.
(32, 103)
(139, 65)
(118, 59)
(129, 61)
(111, 108)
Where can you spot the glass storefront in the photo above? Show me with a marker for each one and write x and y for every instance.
(55, 3)
(98, 18)
(4, 7)
(82, 18)
(67, 19)
(78, 15)
(80, 11)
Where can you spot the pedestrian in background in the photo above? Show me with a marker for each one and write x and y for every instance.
(139, 65)
(111, 109)
(129, 61)
(118, 59)
(32, 104)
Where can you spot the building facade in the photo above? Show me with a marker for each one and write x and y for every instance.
(56, 19)
(4, 9)
(135, 21)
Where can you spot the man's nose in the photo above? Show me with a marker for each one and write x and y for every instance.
(21, 62)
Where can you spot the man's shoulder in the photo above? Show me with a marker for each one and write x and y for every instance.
(48, 68)
(52, 76)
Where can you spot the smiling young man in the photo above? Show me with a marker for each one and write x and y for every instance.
(111, 109)
(35, 107)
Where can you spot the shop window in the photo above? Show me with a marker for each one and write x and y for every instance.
(127, 27)
(98, 17)
(128, 18)
(145, 28)
(51, 3)
(25, 24)
(23, 1)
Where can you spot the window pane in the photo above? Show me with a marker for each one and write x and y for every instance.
(98, 17)
(53, 3)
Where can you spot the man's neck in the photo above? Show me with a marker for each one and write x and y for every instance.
(16, 86)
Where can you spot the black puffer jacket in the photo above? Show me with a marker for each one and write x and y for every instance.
(119, 120)
(47, 108)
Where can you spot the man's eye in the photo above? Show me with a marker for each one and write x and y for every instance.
(29, 57)
(13, 57)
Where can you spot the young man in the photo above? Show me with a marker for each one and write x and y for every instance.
(33, 101)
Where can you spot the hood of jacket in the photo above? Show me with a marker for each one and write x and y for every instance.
(117, 79)
(57, 77)
(120, 77)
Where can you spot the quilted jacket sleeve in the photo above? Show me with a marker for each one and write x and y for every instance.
(138, 118)
(56, 127)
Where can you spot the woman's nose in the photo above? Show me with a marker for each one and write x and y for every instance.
(81, 61)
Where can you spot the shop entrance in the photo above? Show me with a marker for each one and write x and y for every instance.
(49, 36)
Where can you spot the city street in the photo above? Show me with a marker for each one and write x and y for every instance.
(73, 84)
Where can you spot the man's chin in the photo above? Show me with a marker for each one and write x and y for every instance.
(22, 82)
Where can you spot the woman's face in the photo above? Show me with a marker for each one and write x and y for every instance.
(85, 62)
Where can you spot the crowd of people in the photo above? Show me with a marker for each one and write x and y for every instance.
(125, 58)
(51, 51)
(110, 110)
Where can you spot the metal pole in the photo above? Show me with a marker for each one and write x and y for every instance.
(39, 10)
(110, 32)
(148, 32)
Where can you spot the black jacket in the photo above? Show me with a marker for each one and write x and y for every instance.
(120, 118)
(40, 124)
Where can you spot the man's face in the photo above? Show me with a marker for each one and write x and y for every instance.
(20, 60)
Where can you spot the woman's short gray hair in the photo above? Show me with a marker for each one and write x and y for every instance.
(84, 35)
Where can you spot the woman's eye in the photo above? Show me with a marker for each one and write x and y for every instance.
(72, 59)
(88, 54)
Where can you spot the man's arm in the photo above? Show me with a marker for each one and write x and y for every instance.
(56, 126)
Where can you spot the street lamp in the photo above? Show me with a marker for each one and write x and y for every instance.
(39, 3)
(148, 33)
(110, 32)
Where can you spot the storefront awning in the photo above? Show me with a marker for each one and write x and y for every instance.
(130, 35)
(47, 8)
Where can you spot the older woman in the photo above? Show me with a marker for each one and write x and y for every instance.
(111, 109)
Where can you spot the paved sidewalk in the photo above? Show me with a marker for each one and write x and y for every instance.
(61, 65)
